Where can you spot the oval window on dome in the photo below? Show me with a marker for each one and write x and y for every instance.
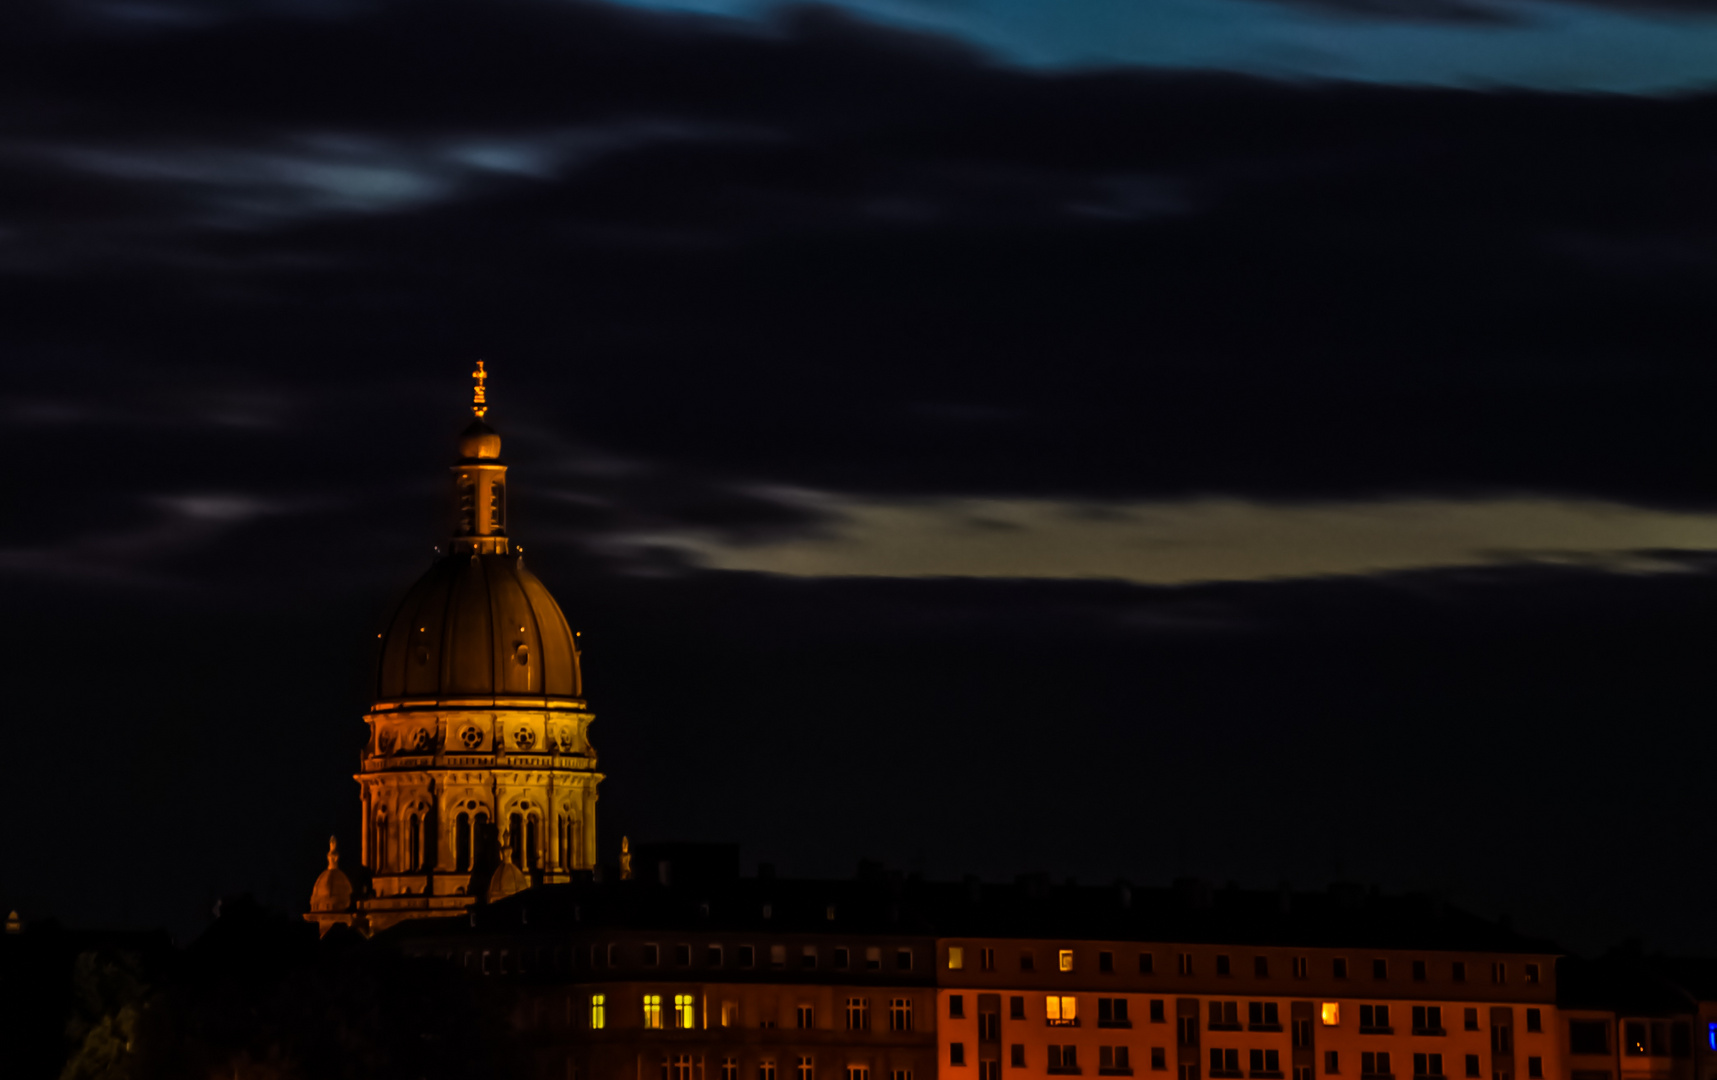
(522, 655)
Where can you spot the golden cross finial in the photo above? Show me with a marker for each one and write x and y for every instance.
(479, 398)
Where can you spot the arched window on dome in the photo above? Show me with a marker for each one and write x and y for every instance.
(533, 843)
(516, 838)
(414, 849)
(462, 843)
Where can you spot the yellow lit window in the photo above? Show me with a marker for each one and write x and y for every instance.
(1062, 1011)
(1066, 959)
(1331, 1013)
(685, 1016)
(652, 1010)
(956, 958)
(598, 1011)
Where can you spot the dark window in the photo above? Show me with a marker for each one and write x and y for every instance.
(1458, 971)
(1371, 1064)
(1535, 1068)
(1186, 1030)
(1534, 1020)
(956, 1053)
(989, 1026)
(1339, 967)
(1300, 966)
(1224, 1063)
(1156, 1010)
(1016, 1055)
(1016, 1008)
(1112, 1012)
(843, 959)
(1225, 1016)
(652, 954)
(1222, 965)
(1427, 1065)
(1063, 1059)
(1302, 1036)
(1380, 969)
(1114, 1059)
(747, 956)
(1472, 1064)
(1588, 1037)
(956, 1006)
(1470, 1019)
(1264, 1062)
(903, 959)
(987, 959)
(1025, 962)
(1634, 1038)
(1332, 1062)
(713, 956)
(1532, 973)
(1147, 963)
(683, 955)
(1262, 1016)
(1374, 1019)
(1427, 1019)
(1418, 971)
(807, 1016)
(1261, 966)
(1679, 1043)
(1183, 963)
(1159, 1059)
(1106, 961)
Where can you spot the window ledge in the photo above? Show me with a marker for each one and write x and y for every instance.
(1377, 1031)
(1266, 1074)
(1114, 1023)
(1429, 1031)
(1062, 1023)
(1376, 1076)
(1223, 1074)
(1224, 1027)
(1429, 1076)
(1114, 1072)
(1064, 1072)
(1263, 1027)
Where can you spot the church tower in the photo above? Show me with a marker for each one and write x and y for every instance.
(478, 776)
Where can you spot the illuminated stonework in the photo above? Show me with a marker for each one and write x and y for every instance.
(478, 778)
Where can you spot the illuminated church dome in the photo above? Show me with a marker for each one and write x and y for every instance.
(478, 778)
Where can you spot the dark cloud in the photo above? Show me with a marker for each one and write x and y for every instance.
(1425, 11)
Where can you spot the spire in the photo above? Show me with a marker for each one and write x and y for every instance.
(479, 394)
(480, 480)
(333, 853)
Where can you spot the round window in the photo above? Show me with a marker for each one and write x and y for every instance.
(471, 737)
(524, 738)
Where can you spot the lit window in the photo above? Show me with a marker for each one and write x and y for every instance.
(685, 1014)
(1330, 1011)
(1065, 960)
(1061, 1011)
(652, 1010)
(872, 957)
(598, 1011)
(1711, 1035)
(956, 958)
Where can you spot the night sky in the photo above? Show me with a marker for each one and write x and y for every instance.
(1257, 439)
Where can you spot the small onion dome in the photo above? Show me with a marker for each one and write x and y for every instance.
(505, 881)
(477, 626)
(479, 442)
(333, 891)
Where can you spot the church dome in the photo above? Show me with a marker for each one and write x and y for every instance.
(478, 625)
